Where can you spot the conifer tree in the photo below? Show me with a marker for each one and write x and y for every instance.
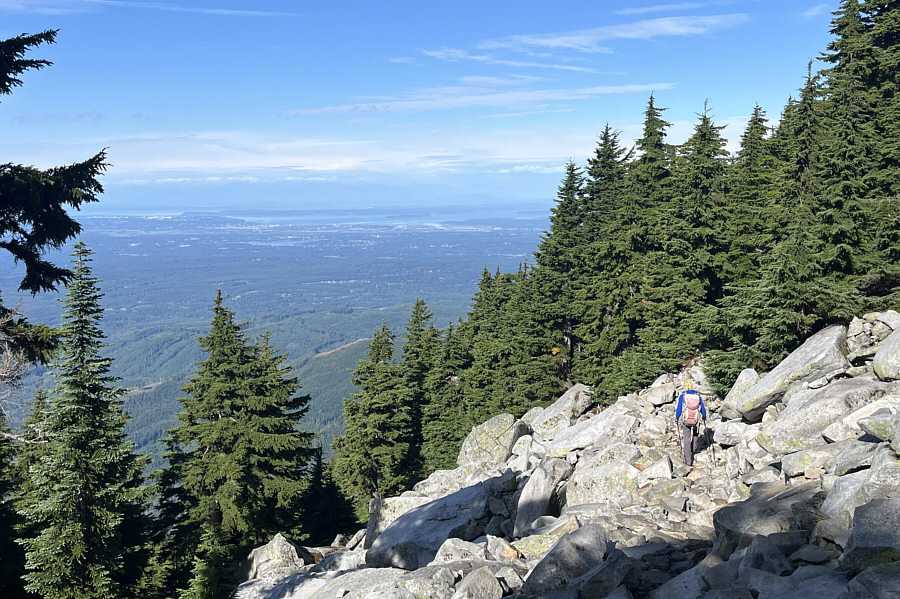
(85, 491)
(236, 459)
(749, 183)
(33, 214)
(12, 564)
(421, 339)
(444, 418)
(326, 512)
(884, 37)
(371, 455)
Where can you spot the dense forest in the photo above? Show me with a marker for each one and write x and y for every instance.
(656, 254)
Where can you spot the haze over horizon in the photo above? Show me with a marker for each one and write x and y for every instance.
(211, 105)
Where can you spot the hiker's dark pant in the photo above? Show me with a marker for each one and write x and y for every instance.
(690, 438)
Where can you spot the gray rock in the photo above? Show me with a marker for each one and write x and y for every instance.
(563, 412)
(538, 492)
(889, 317)
(412, 540)
(382, 512)
(431, 582)
(276, 559)
(745, 381)
(812, 554)
(453, 550)
(877, 582)
(774, 510)
(661, 470)
(762, 554)
(340, 560)
(491, 442)
(689, 583)
(802, 428)
(607, 483)
(620, 592)
(875, 538)
(729, 433)
(808, 582)
(479, 584)
(605, 577)
(728, 594)
(880, 424)
(821, 354)
(886, 363)
(795, 464)
(660, 395)
(573, 556)
(500, 550)
(614, 421)
(848, 427)
(853, 456)
(844, 496)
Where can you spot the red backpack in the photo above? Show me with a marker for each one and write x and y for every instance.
(691, 407)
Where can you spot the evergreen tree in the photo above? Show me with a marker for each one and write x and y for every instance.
(12, 566)
(371, 456)
(417, 355)
(33, 206)
(884, 37)
(236, 459)
(444, 418)
(750, 189)
(85, 491)
(326, 512)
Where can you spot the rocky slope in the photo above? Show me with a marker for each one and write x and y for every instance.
(794, 493)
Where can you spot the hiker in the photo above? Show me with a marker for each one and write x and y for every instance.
(691, 405)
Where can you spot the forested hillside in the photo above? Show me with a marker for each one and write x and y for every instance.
(655, 254)
(659, 253)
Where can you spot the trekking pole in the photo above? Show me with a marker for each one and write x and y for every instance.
(709, 447)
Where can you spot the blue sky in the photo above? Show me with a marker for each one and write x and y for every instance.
(279, 104)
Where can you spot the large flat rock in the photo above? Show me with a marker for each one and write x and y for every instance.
(886, 363)
(801, 427)
(413, 539)
(822, 354)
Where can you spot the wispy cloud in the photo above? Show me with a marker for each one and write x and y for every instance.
(589, 40)
(455, 97)
(643, 10)
(814, 11)
(459, 55)
(61, 7)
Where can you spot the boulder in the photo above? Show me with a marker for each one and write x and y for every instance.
(603, 578)
(661, 470)
(479, 584)
(773, 510)
(816, 582)
(661, 394)
(539, 491)
(689, 583)
(382, 512)
(745, 381)
(762, 554)
(413, 539)
(573, 556)
(853, 455)
(563, 412)
(730, 432)
(492, 441)
(799, 428)
(877, 582)
(820, 355)
(276, 559)
(886, 363)
(609, 483)
(615, 421)
(875, 538)
(848, 427)
(879, 424)
(453, 550)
